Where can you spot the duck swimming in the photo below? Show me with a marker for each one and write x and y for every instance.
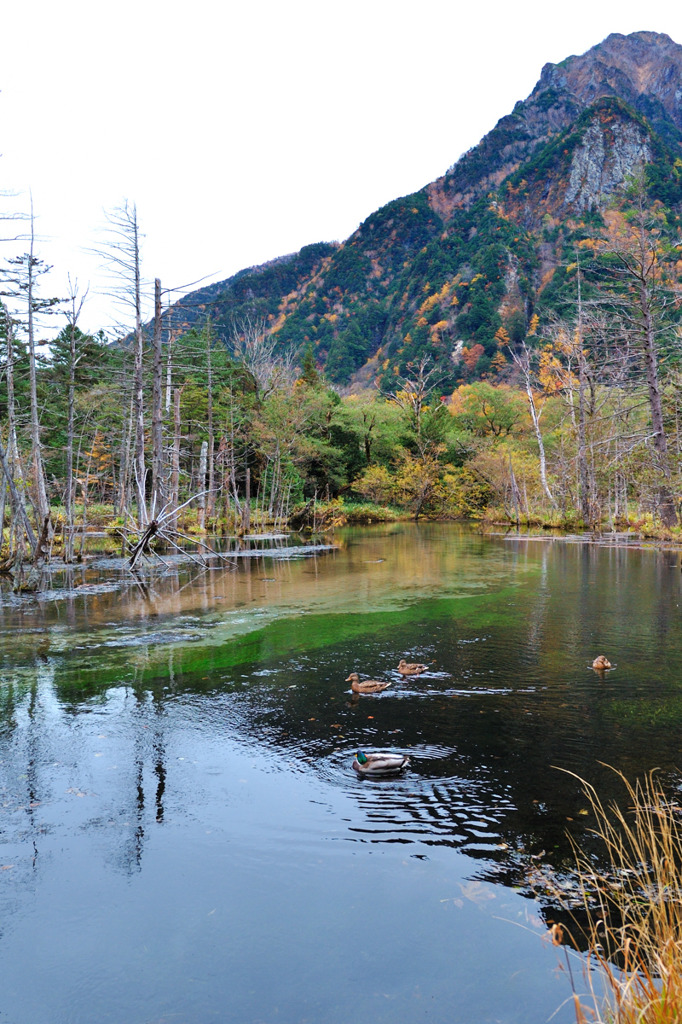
(379, 764)
(365, 685)
(410, 669)
(601, 663)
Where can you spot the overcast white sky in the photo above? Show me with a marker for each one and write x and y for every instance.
(245, 130)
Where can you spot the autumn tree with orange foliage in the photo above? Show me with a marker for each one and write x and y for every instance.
(471, 356)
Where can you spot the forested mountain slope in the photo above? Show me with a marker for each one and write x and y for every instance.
(439, 272)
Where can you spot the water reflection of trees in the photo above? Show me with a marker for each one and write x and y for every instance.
(486, 736)
(43, 751)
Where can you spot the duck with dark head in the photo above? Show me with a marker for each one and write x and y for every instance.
(379, 764)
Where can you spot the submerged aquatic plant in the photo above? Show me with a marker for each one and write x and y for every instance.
(633, 908)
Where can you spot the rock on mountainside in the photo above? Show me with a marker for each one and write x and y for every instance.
(440, 271)
(602, 162)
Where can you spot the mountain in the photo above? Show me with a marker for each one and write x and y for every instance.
(482, 247)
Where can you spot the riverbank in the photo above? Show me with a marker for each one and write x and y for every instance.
(632, 541)
(105, 536)
(644, 532)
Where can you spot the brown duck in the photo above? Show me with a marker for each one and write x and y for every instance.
(365, 685)
(410, 669)
(601, 663)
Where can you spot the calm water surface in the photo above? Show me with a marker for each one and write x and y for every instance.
(183, 839)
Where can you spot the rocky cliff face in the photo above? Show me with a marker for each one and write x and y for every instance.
(603, 161)
(582, 168)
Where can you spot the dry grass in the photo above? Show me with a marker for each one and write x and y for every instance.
(634, 908)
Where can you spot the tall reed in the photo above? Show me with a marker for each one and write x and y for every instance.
(632, 900)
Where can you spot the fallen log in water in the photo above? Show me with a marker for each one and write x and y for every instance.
(143, 544)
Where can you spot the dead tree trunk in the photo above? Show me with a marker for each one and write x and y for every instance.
(139, 461)
(246, 511)
(13, 459)
(201, 484)
(175, 459)
(122, 253)
(522, 360)
(70, 432)
(157, 412)
(17, 502)
(38, 469)
(73, 315)
(211, 437)
(582, 431)
(666, 500)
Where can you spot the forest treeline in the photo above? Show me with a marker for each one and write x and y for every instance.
(576, 424)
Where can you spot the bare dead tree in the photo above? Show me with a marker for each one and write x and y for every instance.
(22, 283)
(582, 436)
(523, 358)
(127, 426)
(157, 410)
(14, 460)
(73, 313)
(19, 512)
(256, 348)
(175, 459)
(209, 423)
(203, 455)
(637, 257)
(121, 253)
(412, 393)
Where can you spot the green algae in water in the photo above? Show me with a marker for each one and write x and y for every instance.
(378, 584)
(281, 640)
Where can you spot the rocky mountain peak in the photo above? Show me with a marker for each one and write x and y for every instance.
(638, 68)
(642, 70)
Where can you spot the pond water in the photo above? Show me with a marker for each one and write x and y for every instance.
(183, 838)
